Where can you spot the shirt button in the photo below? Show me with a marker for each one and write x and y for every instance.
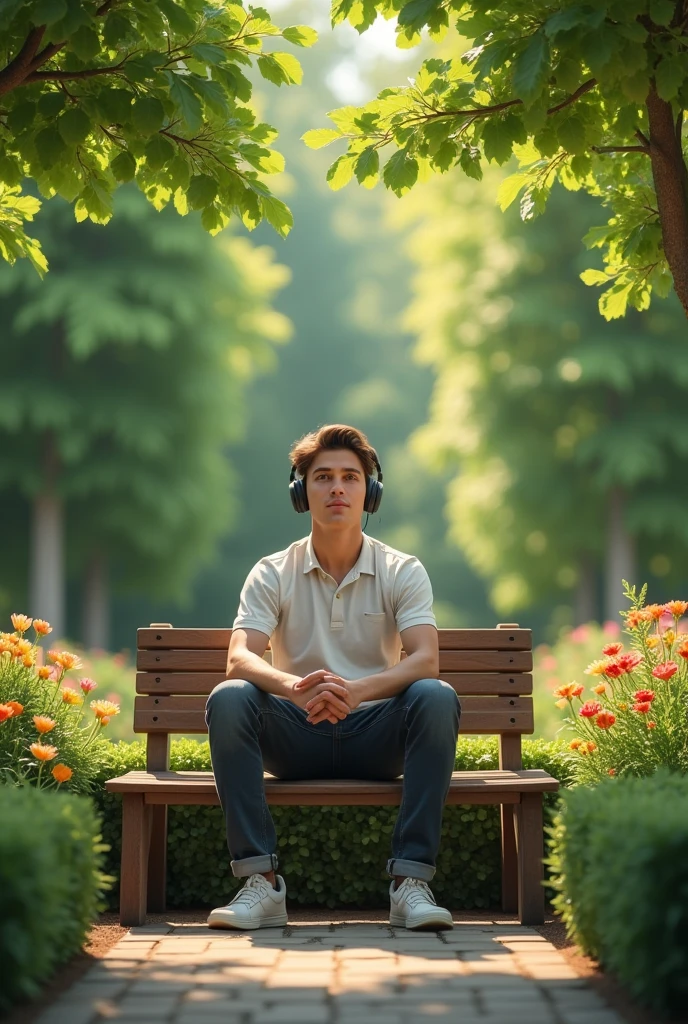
(337, 596)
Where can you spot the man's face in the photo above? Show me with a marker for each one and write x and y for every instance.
(336, 487)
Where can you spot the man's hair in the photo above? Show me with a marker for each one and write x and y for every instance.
(334, 435)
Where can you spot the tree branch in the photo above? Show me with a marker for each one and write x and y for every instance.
(15, 71)
(580, 91)
(620, 149)
(66, 76)
(643, 138)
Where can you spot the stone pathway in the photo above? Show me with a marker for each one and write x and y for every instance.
(331, 974)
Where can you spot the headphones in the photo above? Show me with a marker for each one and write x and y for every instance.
(299, 498)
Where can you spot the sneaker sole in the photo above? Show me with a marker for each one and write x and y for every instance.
(429, 921)
(276, 921)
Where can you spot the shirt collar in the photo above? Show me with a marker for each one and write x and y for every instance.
(365, 562)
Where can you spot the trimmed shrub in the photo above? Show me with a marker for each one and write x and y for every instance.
(619, 863)
(332, 856)
(50, 884)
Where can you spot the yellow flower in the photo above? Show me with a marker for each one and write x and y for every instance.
(562, 703)
(623, 707)
(652, 641)
(42, 627)
(22, 647)
(104, 708)
(44, 672)
(65, 659)
(597, 668)
(20, 622)
(668, 636)
(575, 744)
(600, 688)
(61, 773)
(43, 723)
(43, 751)
(70, 696)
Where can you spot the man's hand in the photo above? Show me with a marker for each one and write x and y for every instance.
(332, 695)
(333, 708)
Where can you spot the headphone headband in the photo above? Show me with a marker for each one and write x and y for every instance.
(374, 487)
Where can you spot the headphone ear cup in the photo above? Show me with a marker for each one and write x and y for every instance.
(299, 498)
(373, 496)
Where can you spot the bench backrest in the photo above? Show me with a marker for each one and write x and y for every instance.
(490, 669)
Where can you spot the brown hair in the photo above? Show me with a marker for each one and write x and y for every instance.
(334, 435)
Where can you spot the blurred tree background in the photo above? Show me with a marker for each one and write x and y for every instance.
(531, 451)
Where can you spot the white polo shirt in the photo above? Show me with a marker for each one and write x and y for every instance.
(352, 628)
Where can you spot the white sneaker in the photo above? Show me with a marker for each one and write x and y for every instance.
(256, 905)
(412, 905)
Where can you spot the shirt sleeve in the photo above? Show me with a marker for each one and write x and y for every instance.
(259, 603)
(413, 597)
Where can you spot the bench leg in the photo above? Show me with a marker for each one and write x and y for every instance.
(133, 877)
(157, 860)
(509, 859)
(530, 841)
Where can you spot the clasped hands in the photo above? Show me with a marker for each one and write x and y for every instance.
(326, 696)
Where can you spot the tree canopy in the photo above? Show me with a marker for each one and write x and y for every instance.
(94, 93)
(588, 94)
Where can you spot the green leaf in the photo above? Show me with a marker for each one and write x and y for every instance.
(201, 191)
(470, 162)
(208, 53)
(662, 11)
(186, 101)
(267, 160)
(531, 68)
(415, 13)
(21, 116)
(400, 173)
(300, 35)
(147, 115)
(277, 214)
(316, 138)
(158, 151)
(510, 188)
(74, 126)
(123, 167)
(445, 156)
(593, 277)
(497, 140)
(51, 103)
(670, 74)
(280, 68)
(11, 172)
(50, 147)
(212, 94)
(614, 302)
(85, 43)
(572, 17)
(571, 134)
(368, 167)
(341, 171)
(46, 12)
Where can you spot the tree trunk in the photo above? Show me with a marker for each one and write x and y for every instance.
(671, 185)
(46, 557)
(620, 563)
(96, 607)
(585, 603)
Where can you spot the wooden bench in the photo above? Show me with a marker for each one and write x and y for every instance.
(490, 669)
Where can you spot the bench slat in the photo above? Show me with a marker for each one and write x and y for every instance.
(449, 639)
(488, 787)
(450, 661)
(479, 715)
(488, 683)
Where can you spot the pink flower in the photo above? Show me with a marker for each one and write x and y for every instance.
(611, 649)
(611, 628)
(665, 671)
(580, 634)
(627, 662)
(87, 685)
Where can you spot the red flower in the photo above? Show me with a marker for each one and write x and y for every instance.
(627, 662)
(611, 771)
(611, 649)
(590, 709)
(613, 670)
(683, 649)
(644, 695)
(652, 725)
(605, 719)
(666, 670)
(642, 707)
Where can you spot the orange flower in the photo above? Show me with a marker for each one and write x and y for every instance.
(22, 647)
(611, 771)
(677, 608)
(590, 709)
(600, 688)
(42, 627)
(611, 649)
(43, 723)
(636, 616)
(44, 672)
(17, 708)
(605, 720)
(590, 746)
(683, 649)
(654, 611)
(5, 712)
(61, 773)
(104, 708)
(43, 751)
(27, 661)
(70, 696)
(569, 691)
(6, 645)
(65, 659)
(105, 720)
(575, 744)
(652, 725)
(20, 622)
(665, 671)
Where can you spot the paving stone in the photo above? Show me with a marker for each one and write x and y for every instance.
(150, 929)
(605, 1016)
(67, 1013)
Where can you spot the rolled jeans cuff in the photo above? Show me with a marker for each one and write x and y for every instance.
(254, 865)
(410, 869)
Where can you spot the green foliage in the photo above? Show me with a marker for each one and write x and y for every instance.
(51, 884)
(141, 350)
(618, 859)
(564, 87)
(539, 407)
(332, 856)
(94, 95)
(74, 734)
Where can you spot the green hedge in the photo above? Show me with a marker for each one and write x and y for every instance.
(334, 856)
(50, 884)
(619, 858)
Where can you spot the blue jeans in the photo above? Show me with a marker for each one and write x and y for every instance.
(413, 733)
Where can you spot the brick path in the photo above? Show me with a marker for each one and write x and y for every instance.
(331, 974)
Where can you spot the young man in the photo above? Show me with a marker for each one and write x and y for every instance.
(337, 701)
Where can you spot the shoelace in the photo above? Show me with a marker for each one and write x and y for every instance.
(417, 890)
(252, 892)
